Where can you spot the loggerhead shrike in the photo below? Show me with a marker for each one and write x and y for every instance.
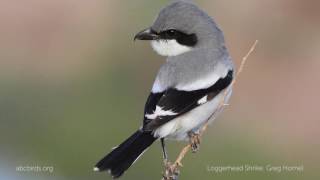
(188, 88)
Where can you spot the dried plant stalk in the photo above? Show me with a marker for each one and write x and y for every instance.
(172, 170)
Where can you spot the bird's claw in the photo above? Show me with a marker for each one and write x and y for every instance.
(194, 139)
(171, 171)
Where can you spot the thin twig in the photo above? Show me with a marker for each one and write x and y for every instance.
(171, 174)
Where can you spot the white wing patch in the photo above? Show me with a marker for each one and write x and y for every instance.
(203, 100)
(160, 112)
(169, 47)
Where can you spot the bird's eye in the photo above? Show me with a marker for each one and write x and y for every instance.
(171, 33)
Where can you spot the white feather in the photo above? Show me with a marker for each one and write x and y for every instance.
(203, 100)
(157, 87)
(114, 147)
(169, 47)
(179, 127)
(206, 81)
(159, 112)
(96, 169)
(139, 156)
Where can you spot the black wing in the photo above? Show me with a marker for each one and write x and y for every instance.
(176, 102)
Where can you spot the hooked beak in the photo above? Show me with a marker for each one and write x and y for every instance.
(146, 34)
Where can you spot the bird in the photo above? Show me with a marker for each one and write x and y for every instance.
(188, 88)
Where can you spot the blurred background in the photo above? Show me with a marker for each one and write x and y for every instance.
(73, 84)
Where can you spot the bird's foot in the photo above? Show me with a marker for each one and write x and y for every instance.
(171, 171)
(194, 139)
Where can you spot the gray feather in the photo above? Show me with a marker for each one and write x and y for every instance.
(204, 57)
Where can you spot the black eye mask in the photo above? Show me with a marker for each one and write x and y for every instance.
(181, 37)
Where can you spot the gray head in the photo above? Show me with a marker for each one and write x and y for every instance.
(180, 27)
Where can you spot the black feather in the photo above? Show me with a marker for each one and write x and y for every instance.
(123, 156)
(181, 37)
(179, 101)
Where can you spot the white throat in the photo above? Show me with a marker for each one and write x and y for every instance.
(169, 47)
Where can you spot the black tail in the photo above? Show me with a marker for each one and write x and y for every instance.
(123, 156)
